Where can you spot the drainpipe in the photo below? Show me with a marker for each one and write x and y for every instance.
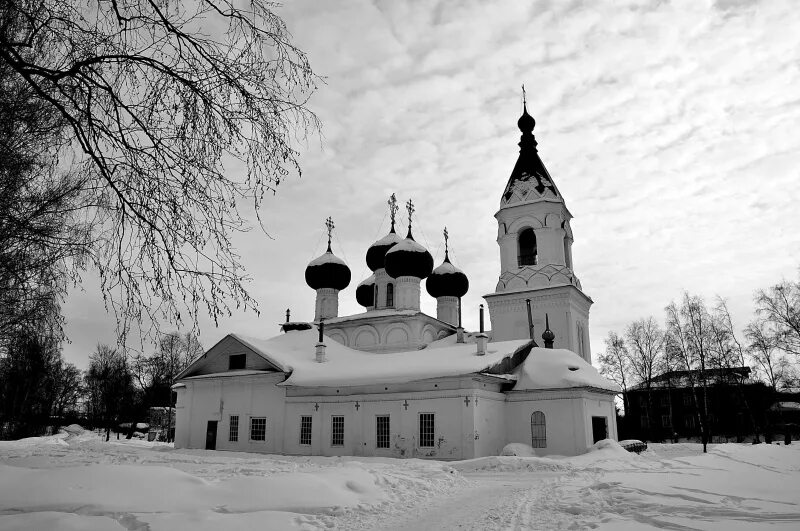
(320, 345)
(481, 337)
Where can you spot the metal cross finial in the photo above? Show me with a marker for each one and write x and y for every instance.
(410, 208)
(393, 208)
(446, 237)
(329, 224)
(523, 95)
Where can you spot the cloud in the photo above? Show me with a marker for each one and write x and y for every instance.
(671, 128)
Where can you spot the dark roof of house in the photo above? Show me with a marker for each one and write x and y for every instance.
(682, 378)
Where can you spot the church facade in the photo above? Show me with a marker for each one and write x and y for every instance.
(394, 381)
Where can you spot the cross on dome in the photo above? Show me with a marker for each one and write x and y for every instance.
(329, 224)
(411, 210)
(393, 208)
(446, 237)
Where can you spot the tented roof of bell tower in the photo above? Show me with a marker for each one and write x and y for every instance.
(530, 180)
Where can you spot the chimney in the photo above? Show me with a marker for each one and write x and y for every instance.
(482, 338)
(459, 329)
(320, 345)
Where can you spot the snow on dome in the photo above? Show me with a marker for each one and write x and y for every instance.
(377, 251)
(408, 259)
(546, 368)
(365, 292)
(447, 281)
(327, 271)
(294, 353)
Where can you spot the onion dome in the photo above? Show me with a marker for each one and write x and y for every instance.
(377, 251)
(526, 123)
(408, 259)
(447, 281)
(365, 292)
(328, 270)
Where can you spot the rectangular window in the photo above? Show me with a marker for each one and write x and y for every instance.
(233, 428)
(237, 362)
(665, 400)
(426, 430)
(687, 400)
(382, 431)
(389, 296)
(258, 428)
(644, 421)
(305, 430)
(337, 430)
(665, 421)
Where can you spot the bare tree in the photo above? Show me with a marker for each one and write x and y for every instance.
(779, 309)
(764, 350)
(689, 342)
(645, 340)
(109, 386)
(156, 97)
(729, 354)
(615, 365)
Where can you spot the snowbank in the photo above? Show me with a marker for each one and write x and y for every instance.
(85, 483)
(558, 368)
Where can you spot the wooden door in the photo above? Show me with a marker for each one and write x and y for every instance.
(211, 435)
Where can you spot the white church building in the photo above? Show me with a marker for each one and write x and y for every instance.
(393, 381)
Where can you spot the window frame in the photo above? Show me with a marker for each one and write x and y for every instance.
(252, 426)
(390, 295)
(306, 429)
(335, 422)
(233, 428)
(538, 429)
(530, 258)
(386, 437)
(427, 434)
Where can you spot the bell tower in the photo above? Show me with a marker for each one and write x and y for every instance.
(535, 242)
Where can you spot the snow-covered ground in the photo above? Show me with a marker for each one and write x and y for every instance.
(77, 481)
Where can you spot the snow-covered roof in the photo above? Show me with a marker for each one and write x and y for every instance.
(295, 353)
(546, 368)
(389, 312)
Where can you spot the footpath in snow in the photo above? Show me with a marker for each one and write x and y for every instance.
(77, 481)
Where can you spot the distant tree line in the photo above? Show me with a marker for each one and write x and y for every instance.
(699, 341)
(40, 391)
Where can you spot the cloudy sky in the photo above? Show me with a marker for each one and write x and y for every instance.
(672, 128)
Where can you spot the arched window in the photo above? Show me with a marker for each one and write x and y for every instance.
(390, 295)
(567, 257)
(538, 430)
(375, 297)
(527, 248)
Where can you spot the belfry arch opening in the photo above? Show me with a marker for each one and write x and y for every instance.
(527, 252)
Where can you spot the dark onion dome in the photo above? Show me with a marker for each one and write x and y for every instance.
(526, 123)
(377, 251)
(328, 271)
(408, 259)
(365, 292)
(447, 281)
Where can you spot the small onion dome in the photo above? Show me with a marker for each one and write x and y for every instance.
(447, 281)
(365, 292)
(408, 259)
(377, 251)
(328, 271)
(526, 123)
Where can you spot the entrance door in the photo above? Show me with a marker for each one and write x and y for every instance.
(599, 428)
(211, 435)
